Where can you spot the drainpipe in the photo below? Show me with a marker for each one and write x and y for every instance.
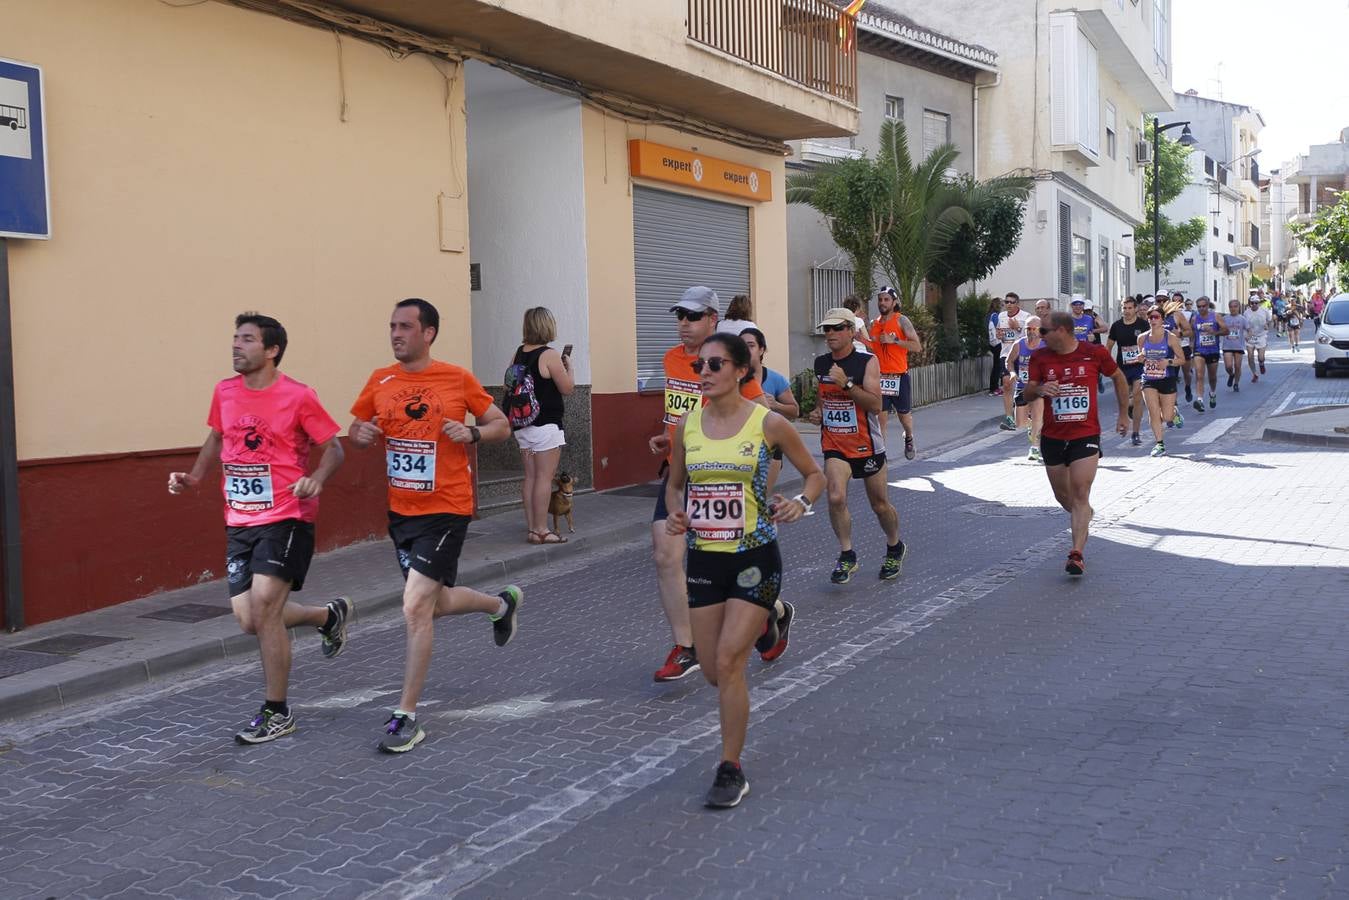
(974, 93)
(11, 553)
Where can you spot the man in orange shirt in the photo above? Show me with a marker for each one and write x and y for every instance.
(418, 405)
(696, 312)
(892, 338)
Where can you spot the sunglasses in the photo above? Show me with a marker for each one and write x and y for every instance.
(712, 363)
(682, 314)
(1155, 318)
(1011, 302)
(828, 328)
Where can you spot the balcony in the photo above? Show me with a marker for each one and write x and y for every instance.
(778, 69)
(1123, 35)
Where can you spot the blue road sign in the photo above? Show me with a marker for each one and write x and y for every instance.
(25, 205)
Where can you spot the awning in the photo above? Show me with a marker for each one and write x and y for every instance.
(1235, 263)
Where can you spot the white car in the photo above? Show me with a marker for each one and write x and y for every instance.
(1332, 338)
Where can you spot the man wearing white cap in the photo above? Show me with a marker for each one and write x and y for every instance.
(853, 443)
(696, 313)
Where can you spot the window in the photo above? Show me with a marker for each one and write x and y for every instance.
(1065, 248)
(1110, 131)
(936, 130)
(1123, 265)
(1081, 266)
(1161, 31)
(1103, 278)
(1074, 92)
(894, 108)
(1133, 142)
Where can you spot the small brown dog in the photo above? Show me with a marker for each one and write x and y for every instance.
(559, 505)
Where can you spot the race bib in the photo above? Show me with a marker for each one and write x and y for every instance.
(1208, 339)
(248, 487)
(411, 464)
(681, 398)
(890, 385)
(1154, 368)
(717, 511)
(840, 416)
(1131, 355)
(1073, 403)
(1007, 334)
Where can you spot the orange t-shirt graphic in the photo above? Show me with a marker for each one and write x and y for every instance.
(427, 472)
(684, 388)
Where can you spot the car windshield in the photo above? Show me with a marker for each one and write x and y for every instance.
(1337, 313)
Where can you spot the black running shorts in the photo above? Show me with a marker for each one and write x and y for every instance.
(1161, 386)
(751, 575)
(1058, 452)
(862, 467)
(429, 544)
(1132, 373)
(1189, 353)
(901, 403)
(282, 549)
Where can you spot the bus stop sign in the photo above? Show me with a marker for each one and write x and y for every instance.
(25, 206)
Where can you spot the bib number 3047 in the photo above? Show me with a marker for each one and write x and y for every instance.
(248, 488)
(411, 464)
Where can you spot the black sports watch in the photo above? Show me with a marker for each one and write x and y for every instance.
(848, 385)
(477, 435)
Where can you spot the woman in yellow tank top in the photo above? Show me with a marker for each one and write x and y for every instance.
(721, 454)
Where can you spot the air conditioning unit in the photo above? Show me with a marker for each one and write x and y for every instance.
(1143, 153)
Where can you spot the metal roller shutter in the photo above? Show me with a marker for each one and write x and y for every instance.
(681, 241)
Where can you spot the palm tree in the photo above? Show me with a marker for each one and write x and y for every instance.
(854, 196)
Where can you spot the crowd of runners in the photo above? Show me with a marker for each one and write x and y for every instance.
(727, 427)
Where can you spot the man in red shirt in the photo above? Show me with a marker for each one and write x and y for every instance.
(1064, 373)
(418, 406)
(263, 425)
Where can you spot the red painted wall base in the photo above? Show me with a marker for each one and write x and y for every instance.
(620, 426)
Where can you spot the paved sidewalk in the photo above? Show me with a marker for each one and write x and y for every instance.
(57, 664)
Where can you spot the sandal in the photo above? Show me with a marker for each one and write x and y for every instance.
(535, 537)
(551, 537)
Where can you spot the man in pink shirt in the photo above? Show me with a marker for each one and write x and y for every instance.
(263, 425)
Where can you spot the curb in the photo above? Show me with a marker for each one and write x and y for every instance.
(1311, 440)
(121, 676)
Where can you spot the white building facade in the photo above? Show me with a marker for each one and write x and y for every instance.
(1213, 267)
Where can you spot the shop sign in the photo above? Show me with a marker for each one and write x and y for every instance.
(670, 164)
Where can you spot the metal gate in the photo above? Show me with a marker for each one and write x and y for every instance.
(681, 241)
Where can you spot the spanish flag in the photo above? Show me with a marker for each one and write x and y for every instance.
(847, 30)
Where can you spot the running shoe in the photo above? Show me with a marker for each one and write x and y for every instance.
(681, 661)
(1159, 449)
(1177, 420)
(1212, 400)
(1007, 424)
(1136, 440)
(769, 637)
(503, 626)
(1230, 379)
(729, 788)
(1254, 378)
(1189, 394)
(1034, 455)
(335, 638)
(909, 452)
(843, 570)
(1198, 405)
(891, 566)
(1237, 387)
(401, 734)
(1262, 367)
(784, 626)
(1076, 565)
(266, 726)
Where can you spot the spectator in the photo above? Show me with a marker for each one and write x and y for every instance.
(858, 306)
(739, 315)
(994, 347)
(536, 381)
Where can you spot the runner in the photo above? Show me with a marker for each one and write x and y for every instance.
(1028, 411)
(1234, 344)
(1179, 313)
(721, 453)
(1258, 323)
(892, 339)
(777, 393)
(1122, 341)
(1294, 321)
(418, 405)
(263, 424)
(1280, 306)
(854, 447)
(1065, 372)
(1010, 328)
(1161, 354)
(696, 315)
(1208, 330)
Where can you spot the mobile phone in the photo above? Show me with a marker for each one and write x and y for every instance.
(566, 351)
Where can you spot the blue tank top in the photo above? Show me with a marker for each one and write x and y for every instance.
(1156, 358)
(1023, 353)
(1083, 326)
(1205, 332)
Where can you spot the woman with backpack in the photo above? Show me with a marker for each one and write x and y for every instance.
(536, 381)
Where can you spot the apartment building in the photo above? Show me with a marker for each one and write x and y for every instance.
(1314, 180)
(320, 161)
(1213, 266)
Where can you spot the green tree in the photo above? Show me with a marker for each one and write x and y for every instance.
(1173, 169)
(997, 208)
(853, 195)
(1302, 277)
(1327, 236)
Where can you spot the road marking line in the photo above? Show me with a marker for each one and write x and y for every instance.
(510, 710)
(1284, 405)
(914, 484)
(350, 701)
(961, 452)
(1211, 432)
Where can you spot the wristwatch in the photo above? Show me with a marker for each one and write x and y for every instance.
(477, 435)
(801, 498)
(848, 385)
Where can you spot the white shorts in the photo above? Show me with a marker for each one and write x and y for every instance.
(540, 437)
(1256, 341)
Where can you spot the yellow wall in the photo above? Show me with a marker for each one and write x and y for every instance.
(609, 241)
(199, 168)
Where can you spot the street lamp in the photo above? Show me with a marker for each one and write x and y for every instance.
(1186, 140)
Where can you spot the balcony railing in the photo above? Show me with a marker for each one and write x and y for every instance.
(810, 42)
